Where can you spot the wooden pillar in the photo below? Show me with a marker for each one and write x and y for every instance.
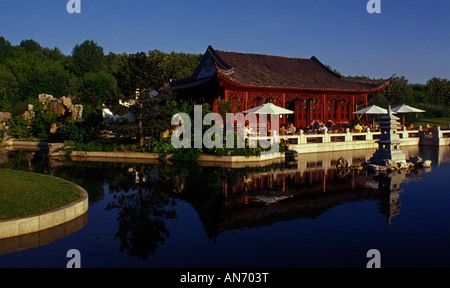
(225, 96)
(365, 103)
(283, 100)
(338, 111)
(246, 101)
(350, 112)
(324, 107)
(352, 109)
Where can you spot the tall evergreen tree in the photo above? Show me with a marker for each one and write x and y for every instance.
(87, 57)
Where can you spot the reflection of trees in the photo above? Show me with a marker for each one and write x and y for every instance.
(143, 202)
(92, 176)
(26, 160)
(225, 199)
(141, 194)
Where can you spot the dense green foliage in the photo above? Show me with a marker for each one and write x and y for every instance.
(432, 97)
(93, 79)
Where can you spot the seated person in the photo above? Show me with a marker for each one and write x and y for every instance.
(315, 127)
(282, 130)
(323, 128)
(329, 126)
(247, 130)
(291, 129)
(307, 130)
(358, 128)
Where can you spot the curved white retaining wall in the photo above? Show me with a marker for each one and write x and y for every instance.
(155, 156)
(25, 225)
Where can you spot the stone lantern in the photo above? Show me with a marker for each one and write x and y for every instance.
(389, 143)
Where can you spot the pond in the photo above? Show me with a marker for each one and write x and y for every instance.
(294, 214)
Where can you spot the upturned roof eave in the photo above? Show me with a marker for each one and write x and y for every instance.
(315, 89)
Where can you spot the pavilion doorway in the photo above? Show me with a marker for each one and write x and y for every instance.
(307, 111)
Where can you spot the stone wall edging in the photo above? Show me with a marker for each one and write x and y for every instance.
(156, 156)
(35, 223)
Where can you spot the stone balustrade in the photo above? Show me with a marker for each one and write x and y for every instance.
(326, 142)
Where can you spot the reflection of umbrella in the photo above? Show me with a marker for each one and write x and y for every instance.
(406, 109)
(374, 110)
(269, 108)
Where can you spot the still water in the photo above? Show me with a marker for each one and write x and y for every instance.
(301, 213)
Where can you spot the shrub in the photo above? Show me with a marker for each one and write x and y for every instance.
(18, 128)
(187, 154)
(163, 146)
(74, 131)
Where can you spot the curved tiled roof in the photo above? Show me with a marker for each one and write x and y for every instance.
(265, 71)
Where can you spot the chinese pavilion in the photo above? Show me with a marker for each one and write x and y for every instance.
(306, 86)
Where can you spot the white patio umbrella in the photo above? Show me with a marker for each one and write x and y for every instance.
(406, 109)
(269, 108)
(373, 110)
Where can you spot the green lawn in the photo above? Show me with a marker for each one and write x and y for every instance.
(24, 193)
(443, 122)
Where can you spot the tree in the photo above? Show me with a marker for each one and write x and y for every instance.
(113, 62)
(99, 88)
(134, 74)
(35, 75)
(150, 71)
(30, 45)
(177, 66)
(87, 57)
(5, 49)
(398, 91)
(378, 99)
(8, 88)
(421, 95)
(138, 77)
(54, 54)
(145, 73)
(440, 88)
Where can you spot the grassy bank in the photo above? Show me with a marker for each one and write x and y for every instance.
(24, 194)
(443, 122)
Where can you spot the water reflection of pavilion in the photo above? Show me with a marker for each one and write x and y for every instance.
(305, 190)
(267, 199)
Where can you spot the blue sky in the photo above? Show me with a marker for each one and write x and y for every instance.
(410, 38)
